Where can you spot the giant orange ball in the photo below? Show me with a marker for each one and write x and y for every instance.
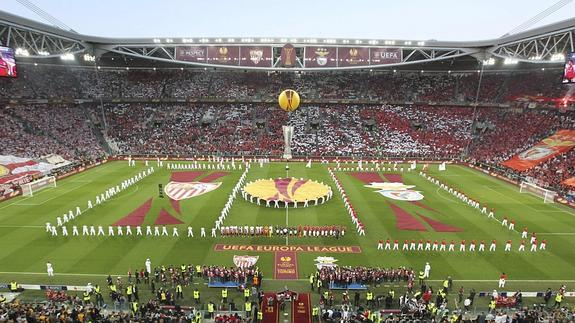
(288, 100)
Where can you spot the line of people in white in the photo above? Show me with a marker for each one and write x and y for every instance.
(231, 198)
(113, 231)
(376, 166)
(482, 209)
(451, 246)
(100, 199)
(132, 162)
(203, 166)
(350, 210)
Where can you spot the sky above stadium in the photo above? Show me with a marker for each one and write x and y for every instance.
(413, 19)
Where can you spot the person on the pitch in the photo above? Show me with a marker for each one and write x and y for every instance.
(502, 280)
(508, 245)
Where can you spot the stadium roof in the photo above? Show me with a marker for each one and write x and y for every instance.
(546, 44)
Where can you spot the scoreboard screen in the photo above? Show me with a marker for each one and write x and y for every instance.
(7, 62)
(569, 70)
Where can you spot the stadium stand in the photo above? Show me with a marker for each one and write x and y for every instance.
(84, 132)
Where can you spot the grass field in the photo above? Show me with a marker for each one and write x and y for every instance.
(26, 247)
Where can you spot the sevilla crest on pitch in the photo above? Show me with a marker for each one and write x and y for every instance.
(181, 191)
(245, 261)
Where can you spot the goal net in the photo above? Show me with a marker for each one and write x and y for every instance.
(35, 186)
(547, 195)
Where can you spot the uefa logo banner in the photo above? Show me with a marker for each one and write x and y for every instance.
(181, 191)
(245, 261)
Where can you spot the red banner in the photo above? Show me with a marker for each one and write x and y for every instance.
(569, 182)
(561, 142)
(276, 248)
(256, 56)
(352, 56)
(270, 308)
(380, 56)
(301, 309)
(320, 56)
(285, 265)
(196, 54)
(224, 55)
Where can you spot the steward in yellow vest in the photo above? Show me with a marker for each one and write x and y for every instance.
(86, 297)
(13, 286)
(179, 292)
(134, 308)
(247, 294)
(197, 296)
(211, 309)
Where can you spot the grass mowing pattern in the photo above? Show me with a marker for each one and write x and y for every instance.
(26, 247)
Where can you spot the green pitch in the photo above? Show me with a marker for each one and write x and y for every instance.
(26, 247)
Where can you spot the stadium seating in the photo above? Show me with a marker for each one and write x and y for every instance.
(87, 82)
(84, 132)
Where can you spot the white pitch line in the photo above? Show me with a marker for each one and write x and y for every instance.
(63, 193)
(26, 198)
(76, 177)
(438, 190)
(509, 197)
(21, 226)
(58, 274)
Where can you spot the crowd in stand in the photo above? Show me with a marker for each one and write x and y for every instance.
(87, 82)
(82, 132)
(40, 130)
(490, 135)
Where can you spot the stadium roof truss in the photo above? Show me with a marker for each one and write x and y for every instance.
(547, 48)
(547, 44)
(167, 53)
(36, 42)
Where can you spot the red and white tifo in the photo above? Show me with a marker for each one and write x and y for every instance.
(181, 191)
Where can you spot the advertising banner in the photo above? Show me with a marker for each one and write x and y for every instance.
(381, 56)
(196, 54)
(352, 56)
(288, 56)
(320, 56)
(224, 55)
(256, 56)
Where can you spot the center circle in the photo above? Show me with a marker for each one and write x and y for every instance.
(287, 190)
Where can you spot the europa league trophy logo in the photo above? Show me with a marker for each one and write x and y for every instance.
(288, 134)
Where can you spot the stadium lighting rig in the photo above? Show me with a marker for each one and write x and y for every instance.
(510, 61)
(67, 57)
(89, 58)
(557, 57)
(43, 53)
(489, 62)
(22, 52)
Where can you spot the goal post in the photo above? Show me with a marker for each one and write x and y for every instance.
(547, 195)
(30, 188)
